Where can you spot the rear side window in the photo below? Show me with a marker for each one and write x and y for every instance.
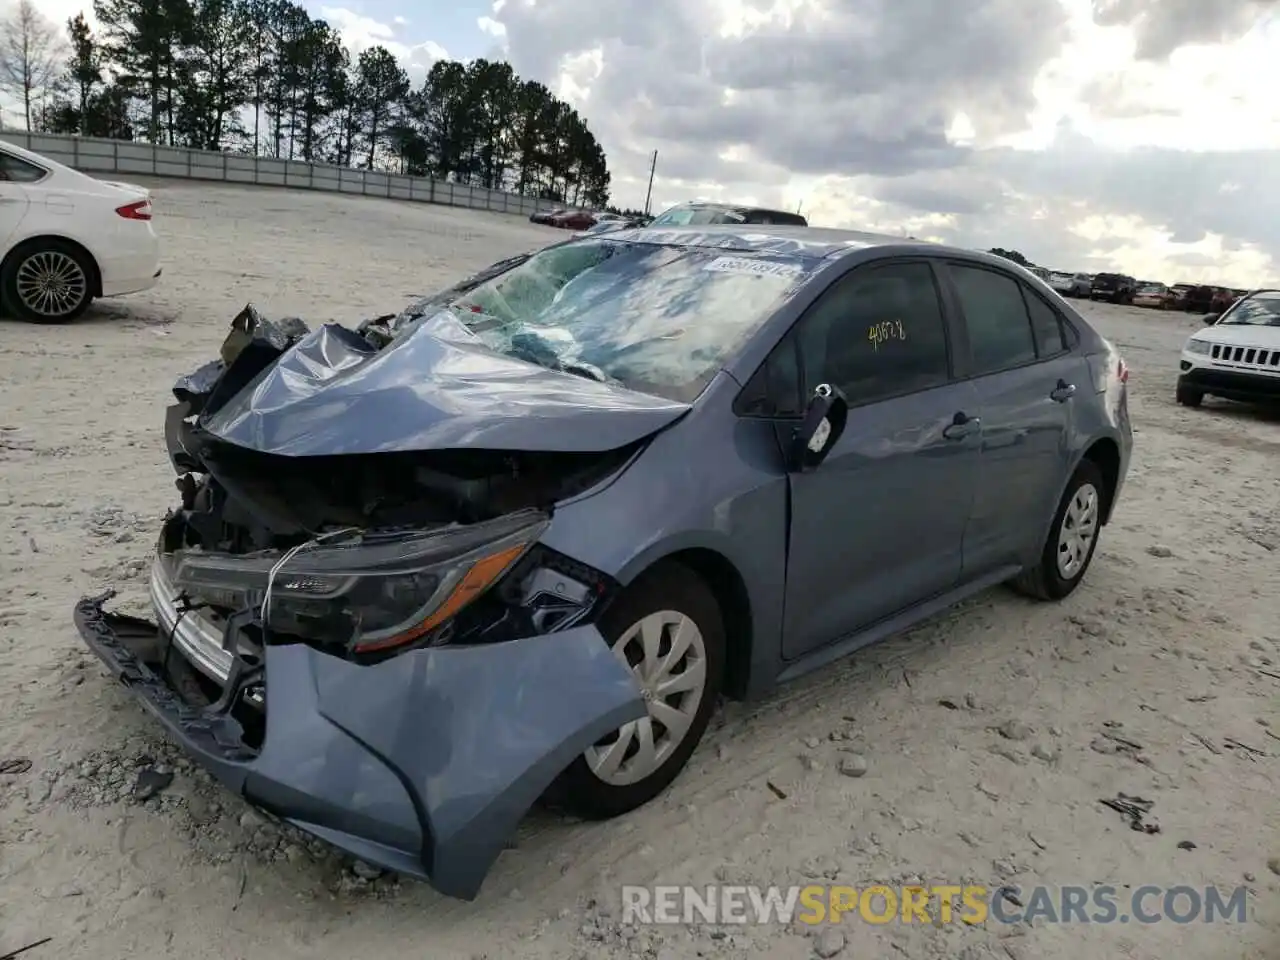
(999, 328)
(776, 217)
(19, 171)
(1045, 325)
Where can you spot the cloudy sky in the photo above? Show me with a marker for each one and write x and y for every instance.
(1142, 134)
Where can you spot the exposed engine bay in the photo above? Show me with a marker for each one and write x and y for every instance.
(363, 554)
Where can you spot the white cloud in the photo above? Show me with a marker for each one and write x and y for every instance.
(1140, 135)
(359, 33)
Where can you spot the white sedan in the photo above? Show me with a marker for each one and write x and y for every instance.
(68, 238)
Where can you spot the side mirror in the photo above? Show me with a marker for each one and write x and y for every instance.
(824, 421)
(1211, 319)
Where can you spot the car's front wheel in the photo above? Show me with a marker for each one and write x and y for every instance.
(1068, 550)
(667, 629)
(47, 281)
(1189, 397)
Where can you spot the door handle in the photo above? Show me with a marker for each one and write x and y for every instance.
(1062, 392)
(962, 426)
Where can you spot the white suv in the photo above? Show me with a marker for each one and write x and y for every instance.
(1238, 358)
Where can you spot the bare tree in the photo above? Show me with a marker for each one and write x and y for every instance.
(31, 51)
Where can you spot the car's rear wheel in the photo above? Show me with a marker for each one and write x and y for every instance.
(1073, 537)
(668, 630)
(1189, 397)
(47, 281)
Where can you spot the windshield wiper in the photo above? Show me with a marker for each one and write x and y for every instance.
(586, 370)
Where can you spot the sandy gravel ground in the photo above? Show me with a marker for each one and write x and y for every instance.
(1173, 645)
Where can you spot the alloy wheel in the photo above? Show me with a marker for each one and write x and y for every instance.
(51, 283)
(667, 655)
(1079, 527)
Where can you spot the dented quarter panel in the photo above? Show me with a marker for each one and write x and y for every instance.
(330, 395)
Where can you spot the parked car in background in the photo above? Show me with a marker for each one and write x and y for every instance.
(610, 225)
(1178, 295)
(401, 655)
(702, 214)
(544, 216)
(573, 220)
(1200, 299)
(1113, 287)
(1155, 295)
(1223, 298)
(67, 238)
(1071, 284)
(1238, 356)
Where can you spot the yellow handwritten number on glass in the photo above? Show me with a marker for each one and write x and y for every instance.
(885, 331)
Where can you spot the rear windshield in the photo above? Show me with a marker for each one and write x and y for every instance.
(699, 216)
(649, 317)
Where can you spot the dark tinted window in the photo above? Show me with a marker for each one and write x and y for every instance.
(19, 171)
(876, 333)
(776, 216)
(1045, 325)
(999, 328)
(774, 391)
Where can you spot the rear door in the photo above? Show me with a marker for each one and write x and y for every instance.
(1019, 356)
(879, 525)
(15, 198)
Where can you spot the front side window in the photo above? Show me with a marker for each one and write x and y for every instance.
(654, 318)
(999, 327)
(16, 170)
(877, 333)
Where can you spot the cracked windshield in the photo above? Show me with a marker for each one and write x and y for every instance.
(651, 318)
(1260, 310)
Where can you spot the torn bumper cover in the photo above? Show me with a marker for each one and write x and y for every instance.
(423, 764)
(357, 628)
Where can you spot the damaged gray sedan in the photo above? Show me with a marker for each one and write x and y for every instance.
(517, 540)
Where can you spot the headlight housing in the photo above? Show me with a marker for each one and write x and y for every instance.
(369, 592)
(1197, 346)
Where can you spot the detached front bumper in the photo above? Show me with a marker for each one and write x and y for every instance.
(423, 764)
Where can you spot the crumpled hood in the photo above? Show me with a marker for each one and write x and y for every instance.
(332, 393)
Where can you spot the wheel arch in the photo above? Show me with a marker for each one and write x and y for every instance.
(1104, 453)
(729, 588)
(25, 244)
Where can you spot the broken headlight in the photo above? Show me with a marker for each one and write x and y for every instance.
(370, 591)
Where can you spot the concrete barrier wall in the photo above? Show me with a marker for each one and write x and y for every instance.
(95, 156)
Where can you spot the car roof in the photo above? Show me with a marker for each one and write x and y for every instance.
(810, 243)
(723, 205)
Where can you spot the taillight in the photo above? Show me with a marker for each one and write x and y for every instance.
(140, 210)
(1122, 371)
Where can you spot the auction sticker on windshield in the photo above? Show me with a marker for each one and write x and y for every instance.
(757, 268)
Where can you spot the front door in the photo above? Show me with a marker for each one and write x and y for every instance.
(879, 525)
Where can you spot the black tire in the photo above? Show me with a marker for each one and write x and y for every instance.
(1189, 397)
(674, 587)
(1044, 581)
(26, 254)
